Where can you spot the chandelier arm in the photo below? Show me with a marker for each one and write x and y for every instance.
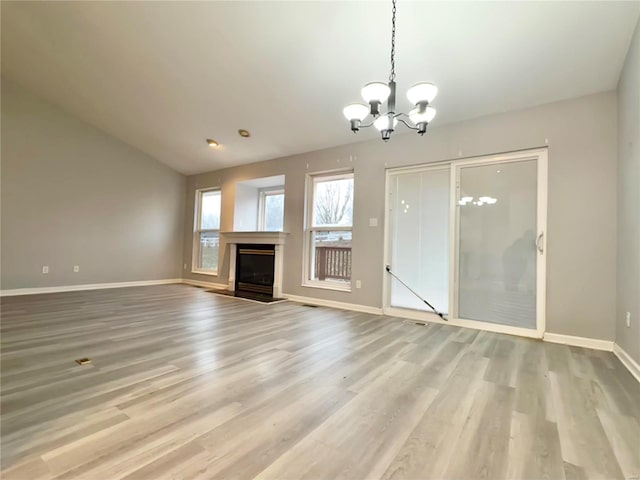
(367, 126)
(406, 124)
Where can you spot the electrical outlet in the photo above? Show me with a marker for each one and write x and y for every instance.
(185, 266)
(76, 268)
(628, 319)
(45, 269)
(358, 284)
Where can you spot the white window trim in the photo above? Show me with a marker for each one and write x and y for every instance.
(264, 193)
(195, 252)
(309, 229)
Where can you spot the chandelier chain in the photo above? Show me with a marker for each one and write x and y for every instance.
(392, 76)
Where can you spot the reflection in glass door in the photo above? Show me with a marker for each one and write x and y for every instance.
(497, 240)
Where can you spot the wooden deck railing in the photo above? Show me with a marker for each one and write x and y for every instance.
(333, 263)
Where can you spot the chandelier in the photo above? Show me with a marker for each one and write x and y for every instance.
(376, 93)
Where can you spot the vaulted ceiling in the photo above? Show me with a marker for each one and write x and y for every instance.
(164, 76)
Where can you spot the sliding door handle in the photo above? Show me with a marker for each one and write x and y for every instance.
(539, 242)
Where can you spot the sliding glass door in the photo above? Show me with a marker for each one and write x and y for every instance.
(497, 230)
(420, 238)
(468, 236)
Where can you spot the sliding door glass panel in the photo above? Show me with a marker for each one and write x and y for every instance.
(497, 243)
(420, 238)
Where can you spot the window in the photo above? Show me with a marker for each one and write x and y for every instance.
(271, 212)
(206, 237)
(329, 231)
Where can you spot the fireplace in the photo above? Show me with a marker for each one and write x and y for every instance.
(261, 271)
(255, 268)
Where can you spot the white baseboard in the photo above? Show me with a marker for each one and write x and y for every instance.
(627, 361)
(330, 303)
(429, 317)
(199, 283)
(85, 286)
(594, 343)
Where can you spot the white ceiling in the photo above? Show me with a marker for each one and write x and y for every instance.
(164, 76)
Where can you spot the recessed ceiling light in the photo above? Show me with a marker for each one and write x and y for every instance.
(212, 143)
(244, 133)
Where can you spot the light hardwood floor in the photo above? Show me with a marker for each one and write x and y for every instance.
(187, 384)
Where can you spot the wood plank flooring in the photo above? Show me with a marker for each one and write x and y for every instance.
(186, 384)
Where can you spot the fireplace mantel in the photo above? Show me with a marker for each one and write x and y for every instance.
(266, 238)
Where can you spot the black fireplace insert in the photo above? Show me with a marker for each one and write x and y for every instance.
(255, 264)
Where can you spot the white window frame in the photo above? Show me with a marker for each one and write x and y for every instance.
(264, 193)
(308, 253)
(198, 230)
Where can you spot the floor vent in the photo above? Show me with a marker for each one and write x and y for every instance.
(83, 361)
(415, 322)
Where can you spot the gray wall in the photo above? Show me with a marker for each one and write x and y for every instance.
(246, 208)
(629, 201)
(581, 291)
(73, 195)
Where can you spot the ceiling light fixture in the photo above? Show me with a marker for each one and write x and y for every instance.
(244, 133)
(212, 143)
(376, 93)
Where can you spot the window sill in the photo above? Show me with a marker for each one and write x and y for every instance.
(205, 272)
(340, 287)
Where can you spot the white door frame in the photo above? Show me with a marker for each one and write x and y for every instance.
(539, 154)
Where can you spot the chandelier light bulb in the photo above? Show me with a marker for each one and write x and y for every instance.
(356, 111)
(375, 92)
(385, 122)
(417, 117)
(423, 92)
